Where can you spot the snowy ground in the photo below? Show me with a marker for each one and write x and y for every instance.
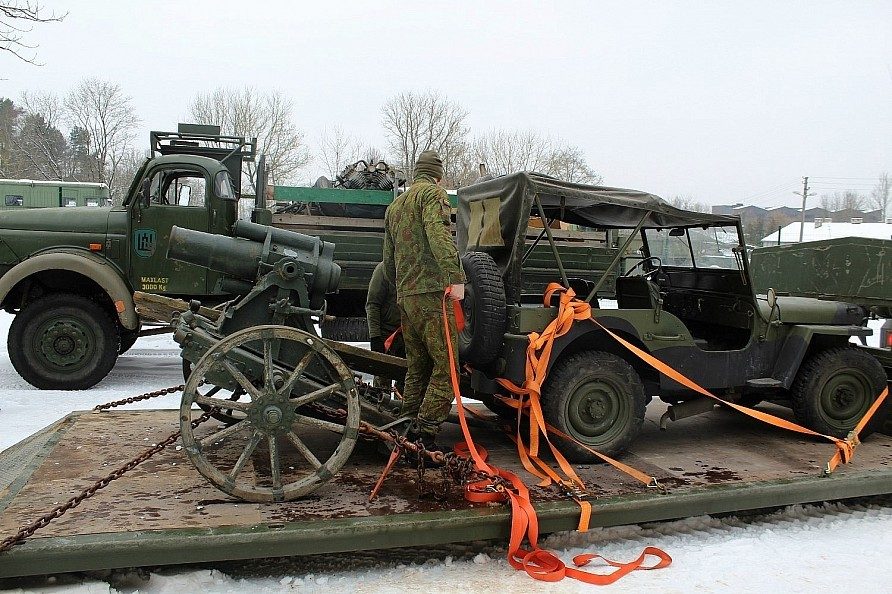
(800, 549)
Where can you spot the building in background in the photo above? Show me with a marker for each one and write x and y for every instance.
(819, 229)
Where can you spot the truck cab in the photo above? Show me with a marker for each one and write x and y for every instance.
(68, 274)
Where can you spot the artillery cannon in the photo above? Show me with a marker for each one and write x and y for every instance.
(289, 402)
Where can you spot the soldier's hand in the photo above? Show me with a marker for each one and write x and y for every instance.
(377, 344)
(457, 292)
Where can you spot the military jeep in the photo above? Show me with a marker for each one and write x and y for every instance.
(687, 299)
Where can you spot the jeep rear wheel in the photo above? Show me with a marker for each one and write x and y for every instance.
(598, 400)
(63, 342)
(484, 310)
(835, 388)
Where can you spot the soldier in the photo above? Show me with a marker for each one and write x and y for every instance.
(383, 316)
(421, 259)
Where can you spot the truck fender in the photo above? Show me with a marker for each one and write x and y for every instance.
(82, 262)
(799, 339)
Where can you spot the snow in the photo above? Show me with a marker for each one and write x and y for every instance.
(817, 232)
(799, 549)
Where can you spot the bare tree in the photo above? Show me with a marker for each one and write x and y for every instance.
(268, 116)
(417, 122)
(507, 151)
(568, 163)
(107, 118)
(879, 196)
(337, 149)
(688, 203)
(40, 146)
(847, 200)
(128, 164)
(17, 20)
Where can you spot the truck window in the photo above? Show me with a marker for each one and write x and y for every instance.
(223, 186)
(69, 201)
(178, 188)
(14, 200)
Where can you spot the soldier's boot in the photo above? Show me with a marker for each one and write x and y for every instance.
(420, 434)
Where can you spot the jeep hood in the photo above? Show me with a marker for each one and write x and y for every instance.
(67, 219)
(805, 310)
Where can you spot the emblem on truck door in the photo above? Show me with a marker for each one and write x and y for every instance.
(144, 242)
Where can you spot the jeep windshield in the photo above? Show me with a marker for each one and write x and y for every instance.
(696, 247)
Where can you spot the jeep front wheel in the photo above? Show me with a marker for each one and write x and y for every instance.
(63, 342)
(598, 400)
(835, 388)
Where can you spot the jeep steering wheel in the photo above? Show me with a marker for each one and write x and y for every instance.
(659, 265)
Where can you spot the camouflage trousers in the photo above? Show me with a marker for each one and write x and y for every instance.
(428, 392)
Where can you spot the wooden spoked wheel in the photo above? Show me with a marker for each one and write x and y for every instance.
(295, 426)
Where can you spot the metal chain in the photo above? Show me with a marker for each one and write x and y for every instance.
(146, 396)
(28, 530)
(456, 467)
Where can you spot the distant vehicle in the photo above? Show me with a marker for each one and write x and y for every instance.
(27, 193)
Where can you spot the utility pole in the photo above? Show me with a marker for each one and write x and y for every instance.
(804, 195)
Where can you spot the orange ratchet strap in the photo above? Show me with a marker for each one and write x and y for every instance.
(538, 356)
(845, 448)
(389, 342)
(502, 484)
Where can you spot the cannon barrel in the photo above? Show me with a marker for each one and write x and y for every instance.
(241, 257)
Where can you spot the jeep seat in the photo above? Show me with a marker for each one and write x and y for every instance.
(636, 292)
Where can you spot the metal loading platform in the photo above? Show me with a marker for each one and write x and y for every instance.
(164, 512)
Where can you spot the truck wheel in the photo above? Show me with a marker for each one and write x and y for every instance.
(63, 342)
(484, 308)
(597, 399)
(127, 339)
(834, 389)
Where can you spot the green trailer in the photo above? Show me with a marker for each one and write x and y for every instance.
(852, 269)
(26, 193)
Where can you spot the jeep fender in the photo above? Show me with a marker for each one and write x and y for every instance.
(585, 335)
(82, 262)
(799, 338)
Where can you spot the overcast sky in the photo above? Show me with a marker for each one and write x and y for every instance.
(718, 101)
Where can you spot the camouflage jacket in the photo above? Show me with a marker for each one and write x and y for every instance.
(380, 306)
(419, 253)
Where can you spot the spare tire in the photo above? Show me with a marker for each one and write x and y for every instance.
(484, 308)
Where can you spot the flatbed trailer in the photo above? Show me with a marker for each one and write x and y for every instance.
(164, 513)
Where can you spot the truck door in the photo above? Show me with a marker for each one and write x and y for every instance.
(178, 195)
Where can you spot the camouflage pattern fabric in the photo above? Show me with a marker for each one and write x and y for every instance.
(419, 253)
(381, 309)
(428, 390)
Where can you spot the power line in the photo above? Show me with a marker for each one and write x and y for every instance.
(828, 177)
(771, 191)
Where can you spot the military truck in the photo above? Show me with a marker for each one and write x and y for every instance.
(68, 274)
(689, 301)
(352, 219)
